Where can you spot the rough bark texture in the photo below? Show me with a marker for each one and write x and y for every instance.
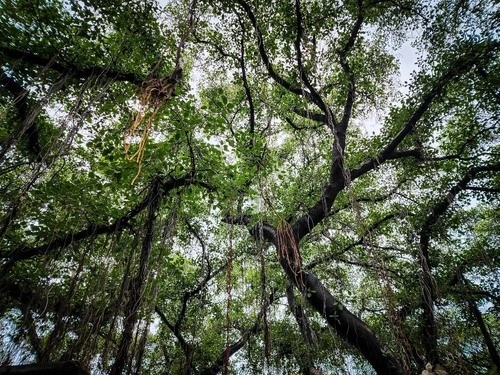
(57, 368)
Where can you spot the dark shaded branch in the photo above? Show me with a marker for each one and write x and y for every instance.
(471, 291)
(295, 89)
(461, 65)
(314, 95)
(176, 327)
(299, 313)
(495, 358)
(195, 291)
(217, 47)
(297, 127)
(62, 241)
(318, 117)
(336, 182)
(260, 231)
(458, 154)
(233, 348)
(248, 93)
(55, 368)
(137, 285)
(414, 153)
(429, 332)
(186, 347)
(354, 33)
(187, 32)
(349, 327)
(73, 70)
(440, 207)
(347, 69)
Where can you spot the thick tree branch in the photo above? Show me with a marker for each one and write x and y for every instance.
(495, 358)
(54, 368)
(62, 241)
(318, 117)
(297, 127)
(260, 231)
(349, 326)
(73, 70)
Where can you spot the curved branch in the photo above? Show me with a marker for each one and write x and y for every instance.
(314, 95)
(260, 231)
(495, 358)
(318, 117)
(347, 69)
(71, 69)
(461, 65)
(185, 346)
(295, 89)
(350, 327)
(429, 333)
(233, 348)
(24, 252)
(248, 93)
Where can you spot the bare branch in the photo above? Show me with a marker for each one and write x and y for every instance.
(293, 88)
(233, 348)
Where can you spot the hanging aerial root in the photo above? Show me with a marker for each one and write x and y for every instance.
(155, 93)
(289, 251)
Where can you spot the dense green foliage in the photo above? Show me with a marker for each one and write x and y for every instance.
(249, 187)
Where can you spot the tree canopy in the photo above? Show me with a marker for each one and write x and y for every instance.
(248, 186)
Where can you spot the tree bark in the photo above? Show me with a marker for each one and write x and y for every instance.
(495, 358)
(347, 325)
(56, 368)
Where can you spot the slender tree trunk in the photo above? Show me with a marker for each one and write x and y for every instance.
(495, 358)
(137, 285)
